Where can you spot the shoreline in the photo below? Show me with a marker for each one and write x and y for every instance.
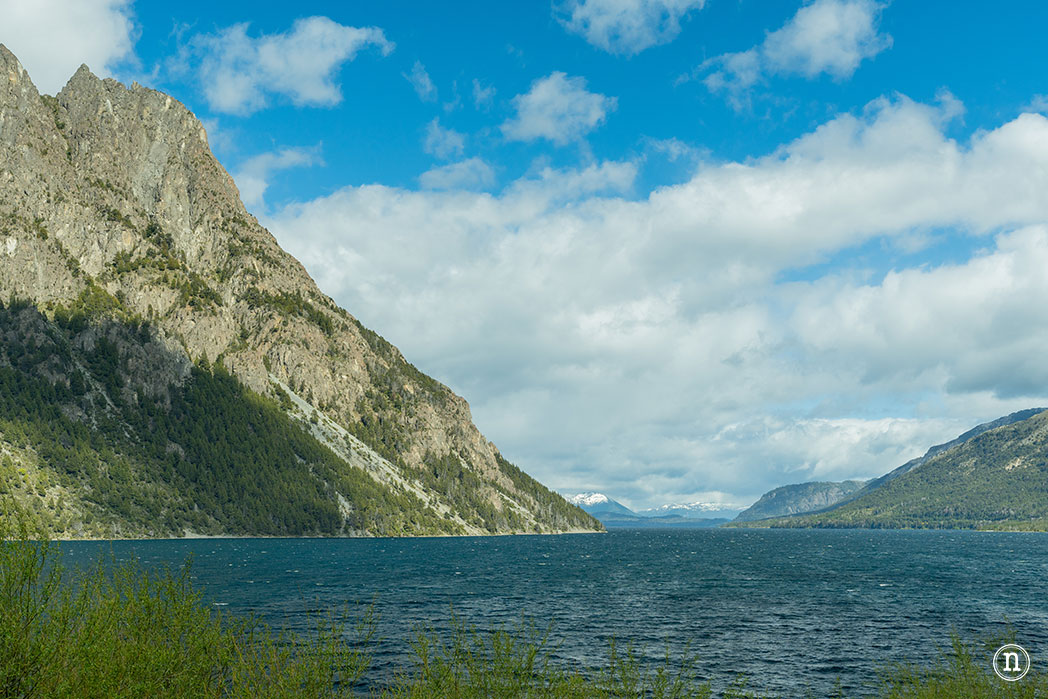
(204, 537)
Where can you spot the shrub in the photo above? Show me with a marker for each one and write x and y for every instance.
(117, 631)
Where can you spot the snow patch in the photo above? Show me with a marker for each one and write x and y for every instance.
(588, 499)
(698, 507)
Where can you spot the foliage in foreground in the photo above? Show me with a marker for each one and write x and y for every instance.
(117, 631)
(961, 671)
(470, 664)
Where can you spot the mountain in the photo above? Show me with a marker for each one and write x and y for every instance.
(167, 369)
(995, 478)
(614, 514)
(910, 465)
(799, 498)
(600, 505)
(694, 510)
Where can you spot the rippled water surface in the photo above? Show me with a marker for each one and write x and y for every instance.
(793, 610)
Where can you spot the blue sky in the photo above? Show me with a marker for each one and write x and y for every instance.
(671, 250)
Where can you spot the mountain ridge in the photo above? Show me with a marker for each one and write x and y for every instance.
(994, 476)
(799, 498)
(113, 210)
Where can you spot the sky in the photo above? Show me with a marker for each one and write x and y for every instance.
(668, 250)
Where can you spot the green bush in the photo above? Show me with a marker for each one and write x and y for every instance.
(116, 631)
(964, 670)
(519, 662)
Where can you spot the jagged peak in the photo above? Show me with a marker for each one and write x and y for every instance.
(8, 58)
(83, 72)
(17, 85)
(83, 79)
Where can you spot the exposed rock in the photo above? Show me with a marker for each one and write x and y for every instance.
(112, 192)
(799, 498)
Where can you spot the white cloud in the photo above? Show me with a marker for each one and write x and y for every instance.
(557, 108)
(420, 80)
(673, 149)
(469, 174)
(441, 142)
(736, 73)
(599, 336)
(627, 26)
(911, 323)
(253, 175)
(826, 36)
(483, 95)
(1039, 103)
(240, 73)
(51, 38)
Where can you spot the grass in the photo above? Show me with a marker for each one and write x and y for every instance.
(121, 631)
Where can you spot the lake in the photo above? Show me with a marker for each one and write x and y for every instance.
(793, 610)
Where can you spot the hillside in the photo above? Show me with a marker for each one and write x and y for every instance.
(799, 498)
(876, 483)
(167, 368)
(997, 479)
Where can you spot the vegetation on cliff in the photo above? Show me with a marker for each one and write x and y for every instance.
(168, 367)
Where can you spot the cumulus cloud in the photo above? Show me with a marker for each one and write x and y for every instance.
(53, 37)
(626, 26)
(469, 174)
(908, 325)
(240, 73)
(253, 175)
(557, 108)
(826, 36)
(441, 142)
(421, 82)
(599, 335)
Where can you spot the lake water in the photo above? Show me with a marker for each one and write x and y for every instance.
(793, 610)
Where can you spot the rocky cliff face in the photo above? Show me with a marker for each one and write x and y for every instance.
(799, 498)
(112, 205)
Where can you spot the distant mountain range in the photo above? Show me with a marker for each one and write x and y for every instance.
(614, 514)
(694, 510)
(994, 476)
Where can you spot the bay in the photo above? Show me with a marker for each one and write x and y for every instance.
(792, 610)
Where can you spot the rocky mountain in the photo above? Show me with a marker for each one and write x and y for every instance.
(799, 498)
(167, 368)
(995, 478)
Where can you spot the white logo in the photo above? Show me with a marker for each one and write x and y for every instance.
(1011, 662)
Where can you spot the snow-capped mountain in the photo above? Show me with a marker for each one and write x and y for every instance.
(588, 499)
(615, 514)
(598, 504)
(695, 510)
